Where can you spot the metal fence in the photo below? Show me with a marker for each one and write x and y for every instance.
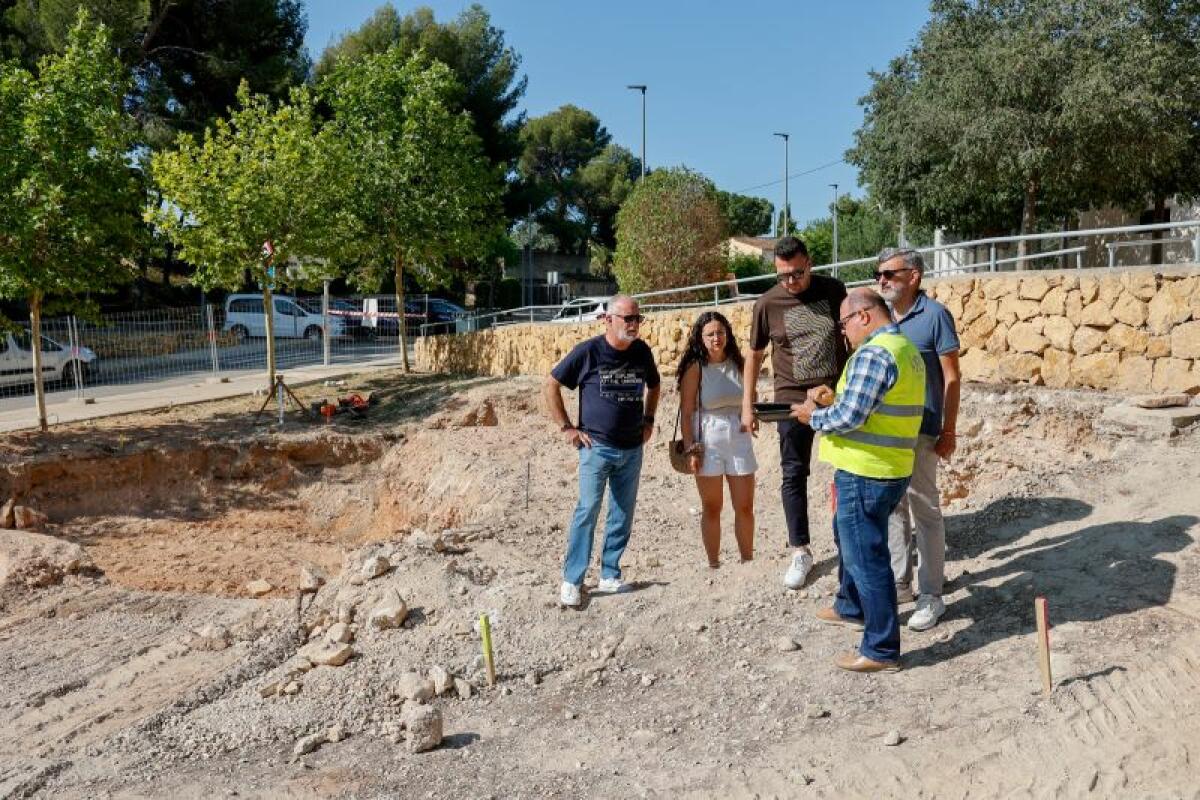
(205, 341)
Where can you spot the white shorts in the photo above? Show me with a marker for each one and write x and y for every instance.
(728, 450)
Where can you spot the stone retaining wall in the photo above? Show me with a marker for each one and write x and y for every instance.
(1133, 329)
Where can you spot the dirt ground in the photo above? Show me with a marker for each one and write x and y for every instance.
(698, 683)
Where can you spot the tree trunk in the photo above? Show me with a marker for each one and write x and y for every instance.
(1160, 215)
(35, 344)
(1028, 222)
(400, 313)
(269, 316)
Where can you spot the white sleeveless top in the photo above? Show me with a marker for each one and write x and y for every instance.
(721, 386)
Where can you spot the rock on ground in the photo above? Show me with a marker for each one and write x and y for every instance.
(424, 725)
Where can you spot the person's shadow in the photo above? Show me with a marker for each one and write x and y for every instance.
(1087, 575)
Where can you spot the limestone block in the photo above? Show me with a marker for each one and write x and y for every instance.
(1097, 314)
(1142, 284)
(998, 342)
(1034, 287)
(1070, 281)
(1086, 340)
(1056, 368)
(1129, 310)
(1183, 288)
(1024, 337)
(1012, 308)
(995, 288)
(1054, 302)
(1134, 373)
(1074, 306)
(1020, 367)
(1127, 339)
(1058, 330)
(1110, 289)
(1089, 289)
(1158, 347)
(1185, 340)
(992, 306)
(1166, 311)
(1173, 375)
(973, 309)
(977, 365)
(1098, 370)
(954, 304)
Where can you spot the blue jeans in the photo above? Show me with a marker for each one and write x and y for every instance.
(621, 470)
(867, 587)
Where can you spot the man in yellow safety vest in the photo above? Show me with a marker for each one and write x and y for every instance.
(868, 432)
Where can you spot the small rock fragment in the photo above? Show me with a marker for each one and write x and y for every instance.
(532, 679)
(892, 738)
(390, 613)
(411, 686)
(462, 688)
(211, 637)
(340, 632)
(814, 711)
(308, 744)
(786, 644)
(374, 566)
(335, 733)
(326, 653)
(311, 579)
(292, 687)
(345, 612)
(647, 680)
(424, 725)
(269, 689)
(441, 679)
(258, 588)
(1161, 400)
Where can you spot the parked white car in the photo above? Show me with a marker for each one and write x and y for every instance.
(582, 309)
(58, 363)
(244, 318)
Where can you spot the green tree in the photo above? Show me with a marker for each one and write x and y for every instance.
(1007, 112)
(601, 187)
(748, 216)
(68, 195)
(557, 147)
(424, 193)
(268, 174)
(486, 70)
(864, 228)
(669, 233)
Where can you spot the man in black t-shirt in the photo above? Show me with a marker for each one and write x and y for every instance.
(798, 317)
(614, 374)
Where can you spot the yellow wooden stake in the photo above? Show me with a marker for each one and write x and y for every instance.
(485, 630)
(1041, 611)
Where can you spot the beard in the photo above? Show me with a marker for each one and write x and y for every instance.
(627, 336)
(889, 293)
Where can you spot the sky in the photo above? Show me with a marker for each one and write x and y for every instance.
(722, 77)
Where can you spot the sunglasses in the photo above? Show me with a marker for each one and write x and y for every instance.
(890, 274)
(793, 276)
(639, 318)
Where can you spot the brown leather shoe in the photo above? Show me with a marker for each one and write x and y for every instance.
(831, 617)
(856, 662)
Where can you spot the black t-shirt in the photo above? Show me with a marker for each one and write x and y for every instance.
(807, 348)
(611, 385)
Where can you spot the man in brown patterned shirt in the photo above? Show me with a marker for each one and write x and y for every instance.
(798, 318)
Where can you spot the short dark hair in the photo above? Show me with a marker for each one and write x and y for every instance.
(789, 247)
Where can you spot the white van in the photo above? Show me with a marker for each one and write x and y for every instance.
(582, 309)
(58, 363)
(244, 318)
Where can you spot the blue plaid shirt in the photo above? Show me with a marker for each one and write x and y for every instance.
(872, 373)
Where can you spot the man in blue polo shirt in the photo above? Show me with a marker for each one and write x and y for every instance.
(615, 375)
(918, 517)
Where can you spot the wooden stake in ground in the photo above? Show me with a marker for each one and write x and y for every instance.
(485, 631)
(1040, 611)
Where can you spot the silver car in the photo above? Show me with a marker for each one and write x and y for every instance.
(58, 362)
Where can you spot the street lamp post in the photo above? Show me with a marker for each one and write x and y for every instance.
(786, 208)
(641, 87)
(835, 215)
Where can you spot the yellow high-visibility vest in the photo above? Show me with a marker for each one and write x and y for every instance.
(883, 446)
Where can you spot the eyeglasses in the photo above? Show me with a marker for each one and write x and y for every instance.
(638, 318)
(842, 322)
(791, 277)
(890, 274)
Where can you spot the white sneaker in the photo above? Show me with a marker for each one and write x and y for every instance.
(797, 574)
(569, 595)
(929, 610)
(611, 586)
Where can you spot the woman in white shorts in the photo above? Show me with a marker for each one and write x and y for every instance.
(710, 389)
